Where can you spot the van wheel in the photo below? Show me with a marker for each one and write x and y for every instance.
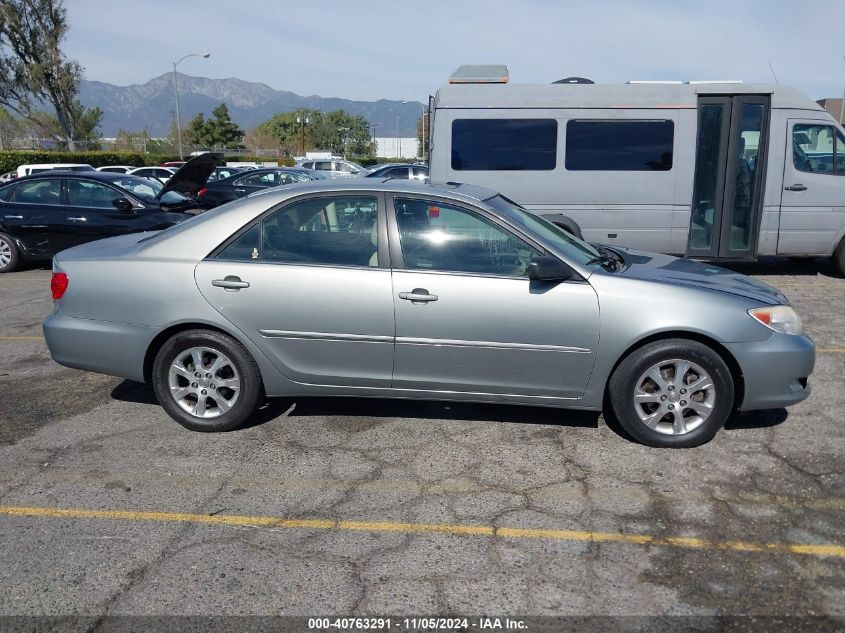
(207, 381)
(839, 258)
(9, 254)
(674, 393)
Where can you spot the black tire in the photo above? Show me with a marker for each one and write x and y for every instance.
(839, 258)
(242, 369)
(623, 382)
(7, 243)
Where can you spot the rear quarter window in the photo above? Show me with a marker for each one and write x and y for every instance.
(6, 192)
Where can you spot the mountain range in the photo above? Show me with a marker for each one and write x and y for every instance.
(152, 105)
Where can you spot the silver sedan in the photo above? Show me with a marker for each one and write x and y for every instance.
(408, 290)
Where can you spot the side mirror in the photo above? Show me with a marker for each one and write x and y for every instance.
(546, 268)
(123, 204)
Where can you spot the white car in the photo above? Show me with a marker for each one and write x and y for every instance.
(117, 169)
(334, 168)
(26, 170)
(159, 173)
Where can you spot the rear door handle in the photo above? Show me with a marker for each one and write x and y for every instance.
(78, 218)
(796, 187)
(14, 217)
(418, 295)
(231, 283)
(240, 189)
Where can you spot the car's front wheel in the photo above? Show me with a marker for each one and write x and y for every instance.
(207, 381)
(673, 393)
(9, 255)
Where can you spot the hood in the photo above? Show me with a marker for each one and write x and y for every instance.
(191, 176)
(687, 272)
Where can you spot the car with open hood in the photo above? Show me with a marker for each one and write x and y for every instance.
(43, 214)
(400, 289)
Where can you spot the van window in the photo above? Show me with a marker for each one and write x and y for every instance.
(619, 145)
(818, 149)
(504, 144)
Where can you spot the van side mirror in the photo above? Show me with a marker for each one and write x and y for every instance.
(123, 204)
(545, 268)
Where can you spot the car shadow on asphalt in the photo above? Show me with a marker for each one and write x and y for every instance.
(364, 408)
(337, 406)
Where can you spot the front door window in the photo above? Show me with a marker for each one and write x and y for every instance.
(435, 236)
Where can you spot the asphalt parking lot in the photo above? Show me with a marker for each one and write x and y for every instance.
(108, 507)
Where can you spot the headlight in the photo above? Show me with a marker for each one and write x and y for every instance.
(779, 318)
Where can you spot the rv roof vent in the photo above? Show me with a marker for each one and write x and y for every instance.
(574, 80)
(493, 74)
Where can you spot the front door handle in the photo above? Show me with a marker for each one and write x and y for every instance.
(78, 218)
(231, 283)
(418, 295)
(14, 217)
(796, 187)
(240, 190)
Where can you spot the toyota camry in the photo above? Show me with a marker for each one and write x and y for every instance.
(402, 289)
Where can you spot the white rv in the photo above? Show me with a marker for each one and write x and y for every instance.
(711, 170)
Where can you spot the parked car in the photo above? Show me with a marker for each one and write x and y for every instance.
(408, 290)
(414, 172)
(43, 214)
(220, 173)
(117, 169)
(27, 170)
(242, 184)
(162, 174)
(334, 168)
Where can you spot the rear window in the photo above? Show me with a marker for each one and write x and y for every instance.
(504, 144)
(619, 145)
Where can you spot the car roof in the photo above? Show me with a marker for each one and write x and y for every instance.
(454, 189)
(89, 175)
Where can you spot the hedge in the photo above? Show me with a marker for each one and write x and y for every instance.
(10, 160)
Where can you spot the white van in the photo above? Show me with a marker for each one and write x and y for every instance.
(719, 171)
(26, 170)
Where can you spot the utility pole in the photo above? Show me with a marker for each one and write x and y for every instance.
(398, 143)
(842, 106)
(303, 120)
(176, 91)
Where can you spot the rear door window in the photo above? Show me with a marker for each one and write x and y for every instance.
(44, 191)
(330, 231)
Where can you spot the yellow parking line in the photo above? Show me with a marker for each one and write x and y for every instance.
(428, 528)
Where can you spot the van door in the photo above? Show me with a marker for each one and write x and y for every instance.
(730, 174)
(812, 217)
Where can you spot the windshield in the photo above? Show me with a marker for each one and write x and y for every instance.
(146, 189)
(579, 251)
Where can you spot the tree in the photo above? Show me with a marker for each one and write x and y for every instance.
(33, 68)
(9, 128)
(220, 131)
(338, 131)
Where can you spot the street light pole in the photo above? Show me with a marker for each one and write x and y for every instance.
(842, 106)
(176, 92)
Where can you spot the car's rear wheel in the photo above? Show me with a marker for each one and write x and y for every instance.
(9, 254)
(207, 381)
(673, 393)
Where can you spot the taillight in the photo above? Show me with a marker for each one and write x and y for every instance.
(58, 284)
(201, 192)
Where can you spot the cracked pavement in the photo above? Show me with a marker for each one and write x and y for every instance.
(74, 440)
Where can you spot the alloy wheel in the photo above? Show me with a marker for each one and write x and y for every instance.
(674, 397)
(5, 253)
(204, 382)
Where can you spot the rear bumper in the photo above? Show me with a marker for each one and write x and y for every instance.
(775, 371)
(104, 347)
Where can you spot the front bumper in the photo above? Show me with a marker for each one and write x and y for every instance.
(775, 371)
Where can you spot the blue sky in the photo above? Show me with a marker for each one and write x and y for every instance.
(405, 50)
